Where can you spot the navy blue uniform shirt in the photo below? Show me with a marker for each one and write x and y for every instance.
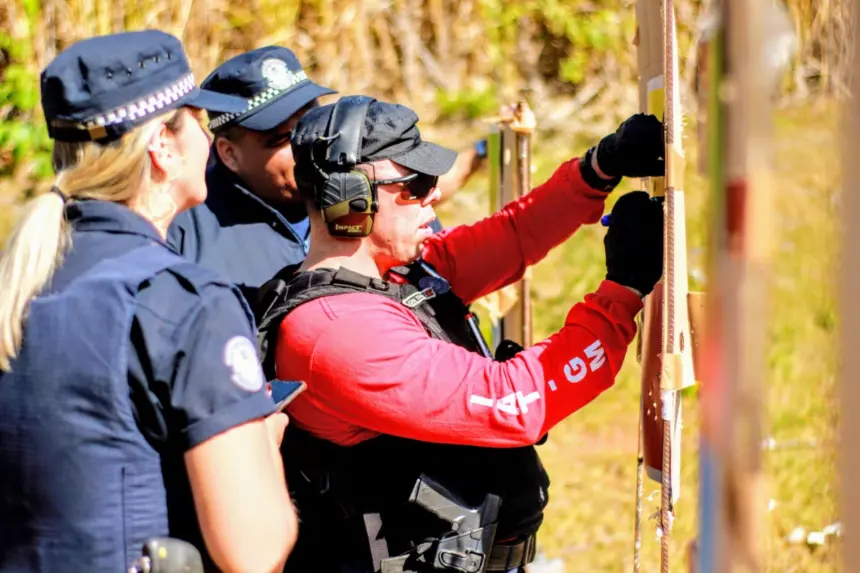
(237, 234)
(180, 384)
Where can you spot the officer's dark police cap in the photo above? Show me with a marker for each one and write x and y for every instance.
(390, 132)
(272, 81)
(102, 87)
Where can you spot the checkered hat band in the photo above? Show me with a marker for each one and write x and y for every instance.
(146, 106)
(261, 99)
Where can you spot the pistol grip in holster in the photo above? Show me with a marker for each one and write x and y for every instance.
(466, 547)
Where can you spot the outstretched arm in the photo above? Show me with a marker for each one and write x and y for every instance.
(393, 378)
(481, 258)
(372, 368)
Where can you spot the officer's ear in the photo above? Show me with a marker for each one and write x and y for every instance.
(164, 151)
(228, 151)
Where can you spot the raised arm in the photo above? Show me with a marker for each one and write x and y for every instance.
(370, 361)
(393, 377)
(481, 258)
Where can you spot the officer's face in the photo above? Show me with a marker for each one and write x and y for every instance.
(180, 151)
(193, 142)
(264, 160)
(403, 222)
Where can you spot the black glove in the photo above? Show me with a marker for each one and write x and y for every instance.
(634, 242)
(636, 149)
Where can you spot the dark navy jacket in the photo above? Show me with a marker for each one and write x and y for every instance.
(237, 234)
(131, 356)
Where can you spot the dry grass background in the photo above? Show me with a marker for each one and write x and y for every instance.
(451, 60)
(455, 61)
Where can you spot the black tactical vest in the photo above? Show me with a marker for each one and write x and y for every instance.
(362, 506)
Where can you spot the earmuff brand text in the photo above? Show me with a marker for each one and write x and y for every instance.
(348, 228)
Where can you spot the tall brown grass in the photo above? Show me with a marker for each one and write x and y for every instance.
(573, 59)
(409, 49)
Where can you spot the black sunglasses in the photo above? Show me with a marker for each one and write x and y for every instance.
(418, 185)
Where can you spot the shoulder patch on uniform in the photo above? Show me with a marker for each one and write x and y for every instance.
(240, 356)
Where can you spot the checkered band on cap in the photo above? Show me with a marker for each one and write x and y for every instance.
(147, 105)
(264, 97)
(135, 111)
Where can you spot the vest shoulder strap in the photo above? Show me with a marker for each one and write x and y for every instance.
(290, 289)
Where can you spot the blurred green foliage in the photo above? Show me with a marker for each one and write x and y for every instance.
(24, 142)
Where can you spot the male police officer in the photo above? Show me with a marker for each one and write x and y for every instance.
(410, 433)
(253, 223)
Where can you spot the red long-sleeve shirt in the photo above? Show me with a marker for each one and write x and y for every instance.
(372, 368)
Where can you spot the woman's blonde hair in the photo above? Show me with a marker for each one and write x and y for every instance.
(117, 172)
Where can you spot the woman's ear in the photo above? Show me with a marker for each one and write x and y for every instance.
(164, 154)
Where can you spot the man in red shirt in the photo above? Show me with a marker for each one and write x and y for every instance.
(402, 395)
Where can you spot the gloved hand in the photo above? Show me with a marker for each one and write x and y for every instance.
(634, 242)
(636, 149)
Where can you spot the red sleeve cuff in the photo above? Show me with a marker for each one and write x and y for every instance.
(620, 294)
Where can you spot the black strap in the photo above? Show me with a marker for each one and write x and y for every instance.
(289, 290)
(507, 556)
(347, 122)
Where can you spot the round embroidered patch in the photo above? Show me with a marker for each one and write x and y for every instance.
(240, 356)
(276, 73)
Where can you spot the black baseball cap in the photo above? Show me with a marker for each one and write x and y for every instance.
(102, 87)
(390, 131)
(272, 82)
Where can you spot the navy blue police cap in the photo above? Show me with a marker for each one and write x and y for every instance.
(102, 87)
(272, 81)
(390, 131)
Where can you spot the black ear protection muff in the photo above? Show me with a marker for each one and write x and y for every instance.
(343, 194)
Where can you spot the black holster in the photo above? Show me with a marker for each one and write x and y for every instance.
(465, 548)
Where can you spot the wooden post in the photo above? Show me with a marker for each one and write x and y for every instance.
(509, 154)
(666, 344)
(741, 78)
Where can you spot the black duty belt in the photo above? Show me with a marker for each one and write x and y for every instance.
(507, 556)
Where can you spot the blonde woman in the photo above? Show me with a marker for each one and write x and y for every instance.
(132, 404)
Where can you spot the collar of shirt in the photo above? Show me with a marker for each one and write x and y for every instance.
(93, 215)
(229, 196)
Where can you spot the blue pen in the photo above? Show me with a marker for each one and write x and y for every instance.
(606, 219)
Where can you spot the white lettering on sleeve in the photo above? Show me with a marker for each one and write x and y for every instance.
(508, 404)
(524, 401)
(481, 401)
(575, 370)
(513, 403)
(597, 355)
